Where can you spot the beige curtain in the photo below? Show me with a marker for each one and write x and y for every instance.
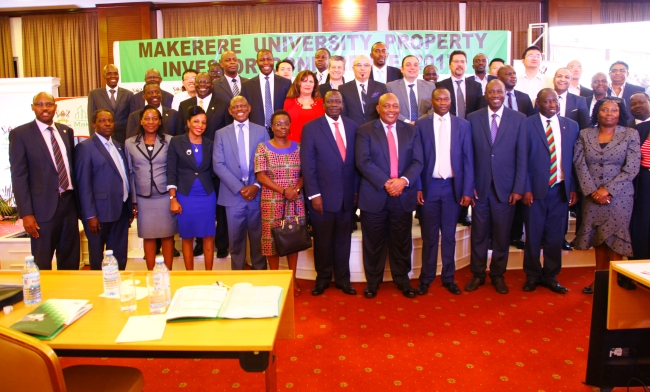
(513, 16)
(424, 16)
(624, 12)
(64, 46)
(7, 63)
(225, 20)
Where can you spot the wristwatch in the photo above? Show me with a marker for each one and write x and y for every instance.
(172, 197)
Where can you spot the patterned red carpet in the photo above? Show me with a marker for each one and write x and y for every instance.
(479, 341)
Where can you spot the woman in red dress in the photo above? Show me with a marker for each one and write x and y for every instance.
(303, 103)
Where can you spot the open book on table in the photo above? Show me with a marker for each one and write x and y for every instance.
(52, 317)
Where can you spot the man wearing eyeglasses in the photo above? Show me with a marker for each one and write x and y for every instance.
(42, 179)
(619, 87)
(361, 95)
(532, 80)
(189, 89)
(576, 73)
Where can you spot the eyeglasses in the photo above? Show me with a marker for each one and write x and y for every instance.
(282, 124)
(362, 65)
(190, 78)
(622, 70)
(44, 104)
(575, 67)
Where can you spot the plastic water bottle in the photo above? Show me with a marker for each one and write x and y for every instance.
(31, 282)
(161, 268)
(111, 275)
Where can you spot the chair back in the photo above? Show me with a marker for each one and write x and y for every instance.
(28, 364)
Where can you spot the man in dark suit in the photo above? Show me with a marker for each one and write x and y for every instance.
(361, 88)
(515, 100)
(550, 190)
(380, 72)
(335, 70)
(575, 87)
(103, 190)
(265, 92)
(446, 183)
(388, 154)
(331, 182)
(215, 71)
(171, 121)
(42, 179)
(414, 94)
(233, 160)
(230, 84)
(479, 65)
(618, 73)
(321, 61)
(500, 161)
(466, 95)
(640, 108)
(572, 106)
(139, 101)
(600, 88)
(113, 98)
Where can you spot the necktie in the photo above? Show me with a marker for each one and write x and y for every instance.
(268, 104)
(235, 88)
(339, 140)
(201, 104)
(443, 155)
(120, 168)
(364, 97)
(320, 78)
(414, 103)
(509, 100)
(241, 148)
(559, 105)
(113, 102)
(392, 151)
(551, 150)
(58, 161)
(460, 100)
(493, 128)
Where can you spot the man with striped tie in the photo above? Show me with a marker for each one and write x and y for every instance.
(229, 85)
(550, 190)
(42, 178)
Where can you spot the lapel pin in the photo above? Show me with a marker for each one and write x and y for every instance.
(188, 152)
(212, 108)
(64, 131)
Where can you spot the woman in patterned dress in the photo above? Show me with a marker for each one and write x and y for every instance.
(606, 159)
(277, 164)
(303, 103)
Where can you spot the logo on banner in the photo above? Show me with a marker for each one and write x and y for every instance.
(63, 117)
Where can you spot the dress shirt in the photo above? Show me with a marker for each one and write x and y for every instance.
(246, 140)
(436, 135)
(574, 89)
(499, 114)
(394, 131)
(206, 101)
(561, 99)
(121, 167)
(591, 107)
(483, 82)
(379, 74)
(408, 94)
(365, 85)
(108, 91)
(462, 88)
(178, 98)
(263, 88)
(621, 93)
(322, 76)
(229, 80)
(641, 121)
(331, 122)
(64, 152)
(513, 98)
(557, 135)
(531, 86)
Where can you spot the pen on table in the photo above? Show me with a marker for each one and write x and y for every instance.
(221, 284)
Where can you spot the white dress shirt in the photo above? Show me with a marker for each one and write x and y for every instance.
(483, 82)
(178, 98)
(379, 74)
(321, 77)
(108, 92)
(499, 114)
(230, 83)
(561, 99)
(442, 152)
(532, 86)
(206, 101)
(64, 152)
(557, 135)
(574, 89)
(619, 95)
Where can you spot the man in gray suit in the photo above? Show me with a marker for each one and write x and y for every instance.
(229, 85)
(233, 159)
(112, 98)
(413, 94)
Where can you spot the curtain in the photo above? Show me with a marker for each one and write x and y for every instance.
(624, 12)
(513, 16)
(225, 20)
(64, 46)
(424, 16)
(7, 63)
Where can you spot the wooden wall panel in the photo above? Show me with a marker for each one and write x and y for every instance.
(573, 12)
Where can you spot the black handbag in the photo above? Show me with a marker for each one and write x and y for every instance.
(291, 236)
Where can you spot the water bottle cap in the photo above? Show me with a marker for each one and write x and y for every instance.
(160, 259)
(108, 252)
(29, 258)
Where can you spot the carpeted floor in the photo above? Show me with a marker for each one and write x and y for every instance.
(479, 341)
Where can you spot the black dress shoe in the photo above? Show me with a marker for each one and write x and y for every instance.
(408, 291)
(465, 220)
(566, 245)
(318, 290)
(452, 287)
(198, 249)
(222, 253)
(500, 285)
(474, 283)
(370, 292)
(346, 289)
(587, 290)
(555, 287)
(530, 285)
(519, 244)
(176, 253)
(422, 289)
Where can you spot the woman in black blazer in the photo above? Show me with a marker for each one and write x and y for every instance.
(191, 191)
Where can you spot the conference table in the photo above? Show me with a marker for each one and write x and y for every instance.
(252, 341)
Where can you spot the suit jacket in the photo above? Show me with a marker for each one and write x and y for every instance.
(98, 99)
(644, 130)
(325, 87)
(373, 162)
(352, 101)
(577, 110)
(473, 95)
(216, 113)
(524, 104)
(489, 78)
(462, 155)
(99, 182)
(182, 169)
(630, 89)
(505, 162)
(401, 90)
(539, 156)
(222, 87)
(392, 73)
(171, 122)
(252, 91)
(225, 162)
(323, 169)
(586, 92)
(34, 178)
(138, 102)
(147, 174)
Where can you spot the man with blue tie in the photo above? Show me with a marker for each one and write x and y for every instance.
(103, 190)
(500, 161)
(233, 160)
(446, 183)
(331, 181)
(550, 190)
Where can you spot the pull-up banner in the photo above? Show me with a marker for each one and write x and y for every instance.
(173, 56)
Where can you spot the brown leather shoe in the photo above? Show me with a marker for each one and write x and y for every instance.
(474, 283)
(500, 285)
